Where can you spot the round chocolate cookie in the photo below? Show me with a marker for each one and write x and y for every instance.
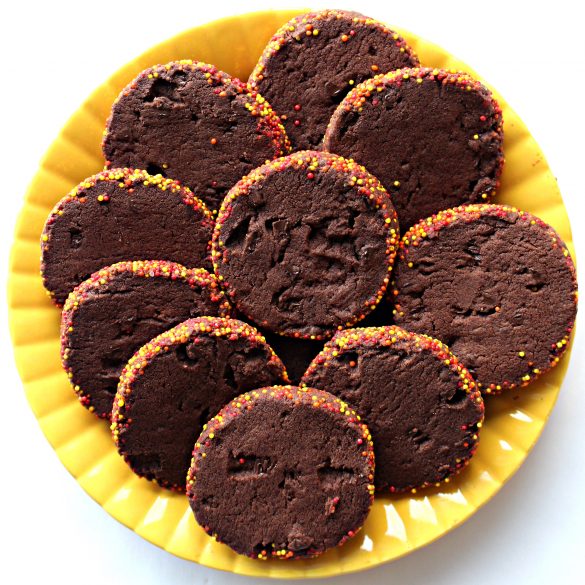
(497, 285)
(432, 137)
(117, 310)
(194, 123)
(312, 62)
(420, 403)
(175, 383)
(304, 244)
(296, 353)
(282, 472)
(121, 215)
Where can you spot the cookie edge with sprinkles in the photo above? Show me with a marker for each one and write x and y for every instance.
(285, 34)
(310, 396)
(357, 97)
(269, 123)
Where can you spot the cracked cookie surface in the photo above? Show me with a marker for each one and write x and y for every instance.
(304, 244)
(191, 122)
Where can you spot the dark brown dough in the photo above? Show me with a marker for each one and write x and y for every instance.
(296, 353)
(420, 404)
(495, 284)
(312, 62)
(283, 473)
(176, 383)
(191, 122)
(433, 138)
(304, 244)
(121, 215)
(117, 310)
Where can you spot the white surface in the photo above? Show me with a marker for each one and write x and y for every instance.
(54, 55)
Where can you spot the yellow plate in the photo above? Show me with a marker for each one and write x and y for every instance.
(396, 525)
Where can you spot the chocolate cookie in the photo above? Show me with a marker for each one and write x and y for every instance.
(419, 402)
(314, 59)
(304, 244)
(117, 310)
(283, 473)
(495, 284)
(296, 353)
(194, 123)
(175, 383)
(121, 215)
(432, 137)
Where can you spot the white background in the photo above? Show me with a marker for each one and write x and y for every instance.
(54, 54)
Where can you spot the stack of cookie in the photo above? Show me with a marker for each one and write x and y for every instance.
(326, 224)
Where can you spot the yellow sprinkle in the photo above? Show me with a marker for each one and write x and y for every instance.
(521, 354)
